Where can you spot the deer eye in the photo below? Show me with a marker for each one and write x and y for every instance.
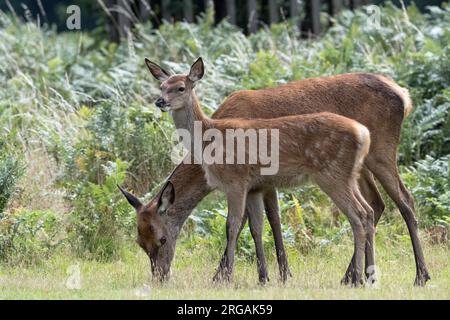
(181, 89)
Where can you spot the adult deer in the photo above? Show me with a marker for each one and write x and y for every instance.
(373, 100)
(328, 148)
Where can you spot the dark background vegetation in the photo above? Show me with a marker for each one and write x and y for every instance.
(54, 11)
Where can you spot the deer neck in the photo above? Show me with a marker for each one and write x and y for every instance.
(192, 119)
(189, 181)
(185, 117)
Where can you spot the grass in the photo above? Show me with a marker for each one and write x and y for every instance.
(72, 96)
(315, 276)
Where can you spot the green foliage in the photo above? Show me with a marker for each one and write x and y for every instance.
(88, 103)
(429, 182)
(100, 217)
(134, 134)
(427, 131)
(265, 71)
(29, 236)
(11, 170)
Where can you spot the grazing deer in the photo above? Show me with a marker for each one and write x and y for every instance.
(156, 226)
(373, 100)
(328, 148)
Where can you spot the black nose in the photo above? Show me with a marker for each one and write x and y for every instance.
(163, 240)
(160, 102)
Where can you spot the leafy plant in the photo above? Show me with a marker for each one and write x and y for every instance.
(428, 181)
(265, 71)
(100, 218)
(29, 236)
(427, 130)
(11, 169)
(133, 134)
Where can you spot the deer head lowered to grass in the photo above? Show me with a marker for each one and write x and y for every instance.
(371, 99)
(328, 148)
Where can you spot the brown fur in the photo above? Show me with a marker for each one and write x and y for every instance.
(328, 147)
(372, 100)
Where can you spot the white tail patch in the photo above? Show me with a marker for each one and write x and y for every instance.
(363, 136)
(407, 102)
(403, 93)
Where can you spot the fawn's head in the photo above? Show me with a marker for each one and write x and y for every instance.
(153, 236)
(175, 89)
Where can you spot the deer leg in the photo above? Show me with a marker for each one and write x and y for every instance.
(255, 209)
(372, 196)
(223, 259)
(273, 215)
(344, 199)
(236, 204)
(385, 170)
(370, 268)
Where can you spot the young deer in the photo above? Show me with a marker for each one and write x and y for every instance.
(325, 147)
(373, 100)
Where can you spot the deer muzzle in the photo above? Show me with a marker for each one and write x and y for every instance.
(161, 104)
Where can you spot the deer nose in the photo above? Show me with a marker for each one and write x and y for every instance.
(160, 102)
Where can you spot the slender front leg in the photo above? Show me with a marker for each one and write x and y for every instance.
(273, 215)
(222, 260)
(372, 196)
(345, 200)
(369, 225)
(255, 209)
(386, 172)
(236, 203)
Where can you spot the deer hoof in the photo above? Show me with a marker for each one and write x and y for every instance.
(347, 279)
(422, 277)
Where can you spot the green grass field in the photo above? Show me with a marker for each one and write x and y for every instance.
(315, 276)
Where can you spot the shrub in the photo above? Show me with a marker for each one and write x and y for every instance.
(11, 170)
(100, 218)
(29, 236)
(133, 134)
(427, 129)
(428, 181)
(265, 71)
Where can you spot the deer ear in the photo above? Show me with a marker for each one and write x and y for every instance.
(157, 72)
(131, 199)
(197, 70)
(167, 198)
